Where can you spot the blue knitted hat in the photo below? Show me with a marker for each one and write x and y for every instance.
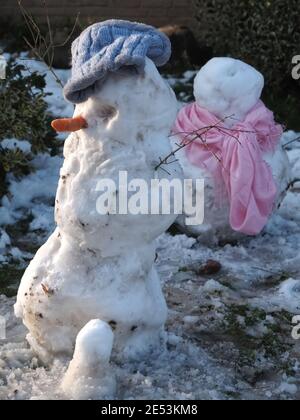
(109, 46)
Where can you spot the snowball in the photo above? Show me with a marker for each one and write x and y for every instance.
(89, 375)
(94, 343)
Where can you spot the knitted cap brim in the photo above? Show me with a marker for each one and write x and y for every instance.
(131, 44)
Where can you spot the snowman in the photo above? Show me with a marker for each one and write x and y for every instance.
(94, 283)
(230, 139)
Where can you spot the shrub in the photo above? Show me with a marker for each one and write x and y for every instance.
(264, 33)
(23, 116)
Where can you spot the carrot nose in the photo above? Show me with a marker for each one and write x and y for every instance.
(69, 124)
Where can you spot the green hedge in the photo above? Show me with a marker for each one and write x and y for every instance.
(23, 116)
(264, 33)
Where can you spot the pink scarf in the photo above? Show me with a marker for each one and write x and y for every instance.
(234, 157)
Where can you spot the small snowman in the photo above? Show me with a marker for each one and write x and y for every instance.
(94, 279)
(231, 141)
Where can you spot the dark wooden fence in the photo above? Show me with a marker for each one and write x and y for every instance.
(155, 12)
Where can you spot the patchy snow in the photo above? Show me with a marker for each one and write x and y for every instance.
(33, 196)
(286, 388)
(228, 334)
(40, 184)
(4, 240)
(289, 296)
(57, 104)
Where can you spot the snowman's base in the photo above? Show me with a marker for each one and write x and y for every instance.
(43, 355)
(140, 345)
(56, 300)
(90, 374)
(208, 234)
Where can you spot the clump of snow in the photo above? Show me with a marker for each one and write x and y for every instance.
(191, 319)
(4, 244)
(4, 240)
(289, 296)
(212, 286)
(13, 144)
(89, 375)
(286, 388)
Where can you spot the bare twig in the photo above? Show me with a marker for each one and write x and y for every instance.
(267, 271)
(43, 46)
(198, 134)
(292, 141)
(292, 183)
(223, 131)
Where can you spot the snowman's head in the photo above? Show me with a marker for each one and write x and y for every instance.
(128, 100)
(228, 87)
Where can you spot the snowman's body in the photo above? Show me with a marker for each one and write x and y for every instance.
(227, 87)
(101, 266)
(216, 218)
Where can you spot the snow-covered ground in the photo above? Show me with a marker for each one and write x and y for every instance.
(229, 333)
